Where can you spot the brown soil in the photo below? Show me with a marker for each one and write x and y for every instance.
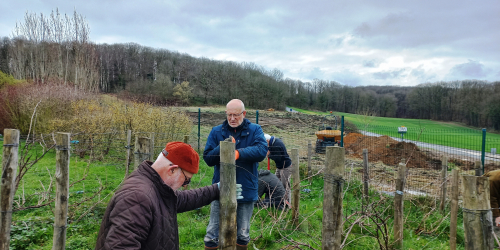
(380, 149)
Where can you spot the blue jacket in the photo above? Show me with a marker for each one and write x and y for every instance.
(251, 145)
(278, 153)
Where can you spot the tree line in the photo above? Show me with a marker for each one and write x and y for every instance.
(57, 48)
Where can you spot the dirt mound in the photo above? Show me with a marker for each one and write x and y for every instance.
(388, 151)
(351, 138)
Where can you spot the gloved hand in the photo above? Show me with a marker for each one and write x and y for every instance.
(236, 153)
(238, 190)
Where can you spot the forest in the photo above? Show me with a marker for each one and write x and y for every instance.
(57, 48)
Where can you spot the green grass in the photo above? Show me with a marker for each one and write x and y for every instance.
(434, 132)
(270, 228)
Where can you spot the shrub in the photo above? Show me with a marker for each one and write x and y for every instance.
(7, 80)
(19, 103)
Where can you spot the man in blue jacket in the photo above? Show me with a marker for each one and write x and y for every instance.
(251, 148)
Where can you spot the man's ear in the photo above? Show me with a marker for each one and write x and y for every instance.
(171, 168)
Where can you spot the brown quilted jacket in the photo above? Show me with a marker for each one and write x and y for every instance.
(143, 212)
(494, 178)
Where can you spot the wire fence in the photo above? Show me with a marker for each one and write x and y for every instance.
(110, 154)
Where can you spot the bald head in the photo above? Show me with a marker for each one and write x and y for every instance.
(235, 104)
(235, 111)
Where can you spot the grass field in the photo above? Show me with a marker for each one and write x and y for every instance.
(435, 132)
(271, 229)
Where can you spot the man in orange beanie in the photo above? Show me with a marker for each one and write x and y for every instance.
(143, 212)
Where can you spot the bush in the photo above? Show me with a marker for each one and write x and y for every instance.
(19, 102)
(7, 80)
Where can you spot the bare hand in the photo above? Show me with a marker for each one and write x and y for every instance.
(497, 221)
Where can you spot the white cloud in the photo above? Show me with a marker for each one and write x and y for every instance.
(356, 42)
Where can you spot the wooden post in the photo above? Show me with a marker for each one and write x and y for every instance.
(478, 169)
(8, 183)
(141, 148)
(444, 177)
(332, 198)
(152, 150)
(186, 139)
(309, 156)
(366, 174)
(128, 147)
(62, 190)
(478, 221)
(295, 186)
(398, 207)
(228, 204)
(454, 210)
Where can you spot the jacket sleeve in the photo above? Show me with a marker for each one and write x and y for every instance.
(211, 154)
(188, 200)
(130, 221)
(257, 150)
(494, 195)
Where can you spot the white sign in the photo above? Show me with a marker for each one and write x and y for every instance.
(402, 129)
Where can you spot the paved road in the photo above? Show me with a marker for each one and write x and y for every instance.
(467, 153)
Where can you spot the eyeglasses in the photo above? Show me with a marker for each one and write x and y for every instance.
(234, 115)
(186, 180)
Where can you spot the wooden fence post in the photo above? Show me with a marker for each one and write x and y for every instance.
(366, 175)
(444, 177)
(186, 139)
(295, 186)
(128, 147)
(227, 200)
(398, 207)
(141, 148)
(454, 210)
(8, 183)
(332, 208)
(309, 156)
(478, 221)
(62, 190)
(478, 169)
(152, 150)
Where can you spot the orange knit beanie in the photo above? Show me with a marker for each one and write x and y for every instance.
(182, 154)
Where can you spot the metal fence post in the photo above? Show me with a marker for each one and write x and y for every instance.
(342, 132)
(199, 128)
(483, 150)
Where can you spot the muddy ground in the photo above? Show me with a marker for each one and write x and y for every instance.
(384, 153)
(381, 149)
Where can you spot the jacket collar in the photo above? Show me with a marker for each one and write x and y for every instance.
(146, 170)
(244, 125)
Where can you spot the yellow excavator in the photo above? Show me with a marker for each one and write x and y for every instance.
(327, 136)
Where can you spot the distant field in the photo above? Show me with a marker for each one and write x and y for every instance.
(435, 132)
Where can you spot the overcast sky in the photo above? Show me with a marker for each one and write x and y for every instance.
(354, 42)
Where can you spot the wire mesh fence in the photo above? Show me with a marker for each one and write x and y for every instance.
(99, 161)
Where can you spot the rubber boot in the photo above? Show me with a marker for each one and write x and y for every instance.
(211, 248)
(240, 247)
